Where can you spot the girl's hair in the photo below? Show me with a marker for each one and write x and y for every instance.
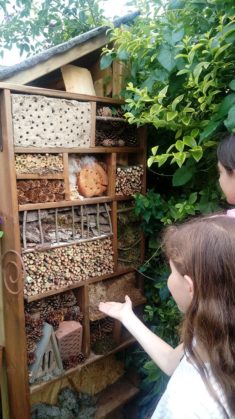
(226, 152)
(204, 249)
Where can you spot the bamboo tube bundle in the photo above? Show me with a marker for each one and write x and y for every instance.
(129, 180)
(41, 164)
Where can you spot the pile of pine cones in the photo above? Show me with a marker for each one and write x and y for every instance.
(101, 336)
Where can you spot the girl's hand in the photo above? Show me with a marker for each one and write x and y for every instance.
(117, 310)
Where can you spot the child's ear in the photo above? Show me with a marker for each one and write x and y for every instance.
(189, 283)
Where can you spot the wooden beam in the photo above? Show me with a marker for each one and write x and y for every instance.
(13, 302)
(17, 88)
(57, 61)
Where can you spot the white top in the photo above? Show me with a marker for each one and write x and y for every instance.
(186, 396)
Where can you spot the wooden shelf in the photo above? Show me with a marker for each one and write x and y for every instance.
(78, 150)
(111, 119)
(78, 284)
(119, 271)
(114, 397)
(62, 204)
(92, 358)
(58, 93)
(37, 176)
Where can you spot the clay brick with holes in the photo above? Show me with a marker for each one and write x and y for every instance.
(69, 338)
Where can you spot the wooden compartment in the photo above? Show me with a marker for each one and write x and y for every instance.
(129, 175)
(38, 164)
(56, 226)
(102, 336)
(114, 290)
(88, 176)
(129, 236)
(63, 267)
(55, 311)
(35, 191)
(40, 121)
(112, 129)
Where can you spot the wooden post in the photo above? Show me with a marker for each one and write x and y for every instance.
(13, 303)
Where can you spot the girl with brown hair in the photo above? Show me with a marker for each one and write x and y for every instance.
(201, 254)
(226, 166)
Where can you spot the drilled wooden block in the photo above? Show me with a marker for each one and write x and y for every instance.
(69, 338)
(40, 121)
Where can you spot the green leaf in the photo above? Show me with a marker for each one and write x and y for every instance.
(182, 176)
(179, 145)
(230, 121)
(123, 55)
(179, 158)
(197, 153)
(175, 102)
(226, 104)
(154, 150)
(1, 234)
(232, 84)
(105, 61)
(209, 130)
(166, 58)
(189, 141)
(171, 115)
(192, 198)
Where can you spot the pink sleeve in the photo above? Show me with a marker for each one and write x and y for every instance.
(231, 213)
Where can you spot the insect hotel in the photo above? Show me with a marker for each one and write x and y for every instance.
(69, 167)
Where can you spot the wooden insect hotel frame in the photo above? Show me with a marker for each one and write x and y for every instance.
(64, 238)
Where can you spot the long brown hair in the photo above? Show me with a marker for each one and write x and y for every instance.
(204, 249)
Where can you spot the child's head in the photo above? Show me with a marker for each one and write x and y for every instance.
(204, 251)
(226, 164)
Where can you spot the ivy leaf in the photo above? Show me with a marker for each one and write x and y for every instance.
(197, 153)
(154, 150)
(189, 141)
(179, 145)
(179, 158)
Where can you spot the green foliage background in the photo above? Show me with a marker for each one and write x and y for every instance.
(35, 25)
(181, 56)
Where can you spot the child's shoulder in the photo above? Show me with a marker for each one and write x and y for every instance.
(186, 396)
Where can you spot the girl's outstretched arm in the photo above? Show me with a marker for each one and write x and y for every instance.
(166, 357)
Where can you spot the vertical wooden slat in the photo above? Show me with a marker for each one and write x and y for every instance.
(114, 225)
(93, 123)
(15, 340)
(83, 301)
(66, 176)
(111, 170)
